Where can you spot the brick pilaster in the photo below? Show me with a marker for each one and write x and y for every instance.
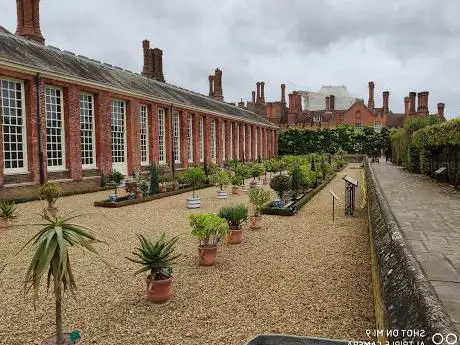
(103, 133)
(72, 132)
(43, 133)
(253, 143)
(183, 139)
(227, 140)
(242, 148)
(32, 134)
(133, 136)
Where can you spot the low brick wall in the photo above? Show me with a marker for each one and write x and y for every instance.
(409, 302)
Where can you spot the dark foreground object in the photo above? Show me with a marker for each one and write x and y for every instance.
(281, 339)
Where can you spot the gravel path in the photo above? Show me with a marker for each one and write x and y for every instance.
(300, 275)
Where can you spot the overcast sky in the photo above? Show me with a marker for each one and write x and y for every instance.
(403, 45)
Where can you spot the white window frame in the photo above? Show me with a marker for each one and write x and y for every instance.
(201, 134)
(176, 136)
(237, 129)
(161, 136)
(190, 138)
(377, 127)
(213, 141)
(144, 131)
(358, 125)
(125, 142)
(223, 139)
(12, 171)
(61, 167)
(90, 101)
(230, 141)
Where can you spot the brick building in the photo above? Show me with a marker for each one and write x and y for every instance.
(339, 108)
(72, 119)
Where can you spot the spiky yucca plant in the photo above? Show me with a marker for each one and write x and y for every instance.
(51, 259)
(158, 256)
(7, 210)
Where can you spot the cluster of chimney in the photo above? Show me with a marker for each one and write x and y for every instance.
(330, 103)
(28, 20)
(153, 62)
(385, 96)
(215, 85)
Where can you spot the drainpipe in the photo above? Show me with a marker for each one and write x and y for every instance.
(39, 129)
(173, 163)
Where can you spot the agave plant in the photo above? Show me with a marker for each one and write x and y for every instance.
(158, 256)
(7, 210)
(51, 259)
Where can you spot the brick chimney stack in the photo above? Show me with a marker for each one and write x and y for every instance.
(370, 102)
(258, 92)
(441, 110)
(332, 102)
(291, 102)
(211, 86)
(425, 102)
(262, 92)
(283, 93)
(386, 95)
(406, 105)
(253, 97)
(28, 20)
(328, 104)
(412, 102)
(153, 62)
(218, 92)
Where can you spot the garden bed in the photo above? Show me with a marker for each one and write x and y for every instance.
(124, 201)
(292, 208)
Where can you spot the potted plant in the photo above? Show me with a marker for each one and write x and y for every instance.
(280, 184)
(244, 171)
(209, 229)
(51, 259)
(235, 216)
(256, 170)
(116, 177)
(154, 186)
(220, 179)
(195, 177)
(131, 187)
(51, 191)
(7, 213)
(144, 187)
(237, 181)
(158, 258)
(258, 198)
(295, 180)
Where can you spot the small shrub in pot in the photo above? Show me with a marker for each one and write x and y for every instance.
(280, 184)
(258, 198)
(209, 229)
(195, 177)
(235, 216)
(220, 179)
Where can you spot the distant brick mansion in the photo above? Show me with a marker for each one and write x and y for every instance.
(332, 106)
(72, 119)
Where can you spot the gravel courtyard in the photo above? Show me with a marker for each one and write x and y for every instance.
(301, 275)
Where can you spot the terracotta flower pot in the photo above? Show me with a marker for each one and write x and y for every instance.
(255, 222)
(235, 190)
(163, 189)
(265, 181)
(235, 236)
(207, 255)
(52, 211)
(138, 195)
(159, 291)
(3, 223)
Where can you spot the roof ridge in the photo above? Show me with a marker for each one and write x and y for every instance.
(242, 111)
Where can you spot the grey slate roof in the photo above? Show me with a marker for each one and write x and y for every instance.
(50, 59)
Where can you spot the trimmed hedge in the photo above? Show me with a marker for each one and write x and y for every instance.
(439, 146)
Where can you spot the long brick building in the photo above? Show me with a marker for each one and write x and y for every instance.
(72, 119)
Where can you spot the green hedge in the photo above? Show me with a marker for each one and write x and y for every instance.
(438, 146)
(297, 141)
